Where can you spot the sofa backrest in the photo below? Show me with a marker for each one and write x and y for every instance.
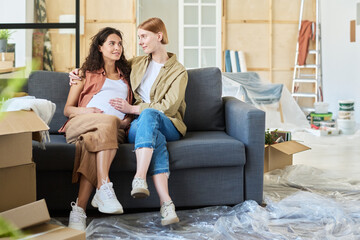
(204, 108)
(53, 86)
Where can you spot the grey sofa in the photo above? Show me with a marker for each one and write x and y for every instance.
(219, 161)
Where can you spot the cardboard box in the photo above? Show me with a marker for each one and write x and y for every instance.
(16, 131)
(18, 186)
(48, 231)
(27, 215)
(15, 149)
(280, 155)
(32, 218)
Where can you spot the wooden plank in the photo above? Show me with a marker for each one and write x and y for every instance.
(285, 38)
(231, 21)
(247, 9)
(285, 10)
(282, 69)
(253, 40)
(270, 40)
(256, 69)
(246, 21)
(309, 10)
(109, 21)
(56, 8)
(283, 77)
(109, 9)
(12, 69)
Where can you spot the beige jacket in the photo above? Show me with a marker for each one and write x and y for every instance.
(168, 91)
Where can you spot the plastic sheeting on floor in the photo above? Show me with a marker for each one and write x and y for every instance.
(301, 203)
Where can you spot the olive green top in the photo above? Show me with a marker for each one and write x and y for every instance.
(167, 94)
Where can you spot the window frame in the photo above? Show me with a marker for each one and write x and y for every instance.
(200, 26)
(75, 25)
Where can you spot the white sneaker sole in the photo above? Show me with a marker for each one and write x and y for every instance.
(169, 221)
(140, 193)
(105, 209)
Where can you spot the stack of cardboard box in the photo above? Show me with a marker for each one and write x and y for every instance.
(18, 177)
(17, 170)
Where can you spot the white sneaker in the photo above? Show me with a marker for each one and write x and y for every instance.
(77, 219)
(106, 200)
(168, 214)
(139, 188)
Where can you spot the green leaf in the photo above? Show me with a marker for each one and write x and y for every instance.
(8, 230)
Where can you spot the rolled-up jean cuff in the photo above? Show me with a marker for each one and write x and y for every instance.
(158, 171)
(144, 144)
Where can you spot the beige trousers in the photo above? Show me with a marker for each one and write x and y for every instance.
(92, 133)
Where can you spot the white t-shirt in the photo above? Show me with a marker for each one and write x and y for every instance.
(148, 80)
(111, 89)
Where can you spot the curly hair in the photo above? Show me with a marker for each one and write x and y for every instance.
(95, 61)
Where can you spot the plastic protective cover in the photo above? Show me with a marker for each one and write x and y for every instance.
(271, 98)
(300, 203)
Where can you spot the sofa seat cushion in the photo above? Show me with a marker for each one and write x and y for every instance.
(57, 156)
(195, 150)
(206, 149)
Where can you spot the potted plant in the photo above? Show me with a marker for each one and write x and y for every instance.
(270, 137)
(5, 34)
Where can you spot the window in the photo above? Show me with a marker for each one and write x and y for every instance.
(34, 33)
(200, 33)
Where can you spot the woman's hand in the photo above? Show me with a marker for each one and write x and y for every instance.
(121, 105)
(74, 76)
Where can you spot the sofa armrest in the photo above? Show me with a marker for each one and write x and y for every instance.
(247, 124)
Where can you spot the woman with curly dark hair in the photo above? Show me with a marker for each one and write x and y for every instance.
(95, 126)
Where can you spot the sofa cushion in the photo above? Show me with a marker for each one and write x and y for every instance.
(53, 86)
(204, 106)
(58, 155)
(206, 149)
(202, 149)
(196, 150)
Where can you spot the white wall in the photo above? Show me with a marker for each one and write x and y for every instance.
(341, 58)
(14, 11)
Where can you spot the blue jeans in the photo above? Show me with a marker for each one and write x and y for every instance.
(152, 129)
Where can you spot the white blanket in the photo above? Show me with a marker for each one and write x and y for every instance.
(45, 109)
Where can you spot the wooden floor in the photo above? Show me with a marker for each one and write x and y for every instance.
(340, 154)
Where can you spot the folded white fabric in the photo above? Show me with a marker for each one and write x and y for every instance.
(45, 109)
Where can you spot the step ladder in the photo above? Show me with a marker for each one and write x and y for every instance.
(299, 77)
